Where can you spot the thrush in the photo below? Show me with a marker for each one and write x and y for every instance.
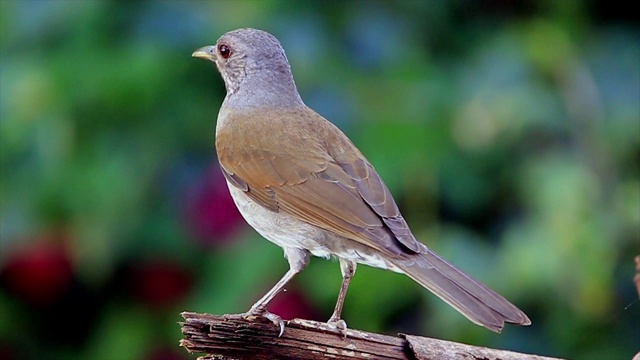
(303, 185)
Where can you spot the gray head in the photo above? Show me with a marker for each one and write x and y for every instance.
(254, 68)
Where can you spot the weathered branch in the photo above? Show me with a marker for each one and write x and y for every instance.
(234, 337)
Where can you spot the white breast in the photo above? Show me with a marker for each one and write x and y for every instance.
(281, 229)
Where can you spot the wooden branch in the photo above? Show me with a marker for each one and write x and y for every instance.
(234, 337)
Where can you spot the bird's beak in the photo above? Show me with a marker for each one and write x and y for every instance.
(206, 53)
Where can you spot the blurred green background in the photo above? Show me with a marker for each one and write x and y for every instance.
(508, 132)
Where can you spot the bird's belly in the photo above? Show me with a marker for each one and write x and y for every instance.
(286, 231)
(279, 228)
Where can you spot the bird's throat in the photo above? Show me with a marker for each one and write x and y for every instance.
(259, 90)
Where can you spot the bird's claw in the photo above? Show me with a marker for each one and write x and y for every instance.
(338, 324)
(276, 320)
(261, 311)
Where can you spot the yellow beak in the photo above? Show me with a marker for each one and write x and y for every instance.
(206, 53)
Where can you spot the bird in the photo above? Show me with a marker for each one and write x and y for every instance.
(301, 183)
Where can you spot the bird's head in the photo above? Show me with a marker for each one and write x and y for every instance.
(247, 53)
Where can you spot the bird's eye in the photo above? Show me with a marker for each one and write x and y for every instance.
(224, 50)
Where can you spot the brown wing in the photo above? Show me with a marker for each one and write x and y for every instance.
(376, 194)
(325, 181)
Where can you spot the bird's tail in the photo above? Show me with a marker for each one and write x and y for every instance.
(472, 299)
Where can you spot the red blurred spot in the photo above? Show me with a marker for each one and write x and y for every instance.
(160, 284)
(211, 214)
(38, 274)
(8, 352)
(293, 304)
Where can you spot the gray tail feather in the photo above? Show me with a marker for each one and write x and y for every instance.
(472, 299)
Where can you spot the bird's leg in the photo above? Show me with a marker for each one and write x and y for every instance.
(348, 269)
(298, 260)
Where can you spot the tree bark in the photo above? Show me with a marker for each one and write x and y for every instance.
(234, 337)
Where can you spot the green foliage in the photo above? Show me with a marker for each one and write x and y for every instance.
(508, 132)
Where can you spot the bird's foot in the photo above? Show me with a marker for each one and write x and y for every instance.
(338, 324)
(262, 311)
